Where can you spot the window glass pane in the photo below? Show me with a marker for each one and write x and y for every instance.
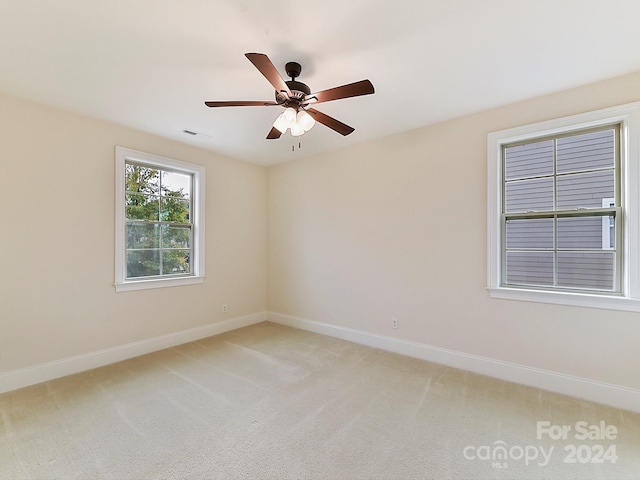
(584, 190)
(174, 209)
(143, 263)
(140, 179)
(531, 160)
(142, 207)
(529, 268)
(583, 232)
(530, 233)
(586, 152)
(176, 237)
(176, 184)
(529, 195)
(175, 262)
(143, 236)
(586, 270)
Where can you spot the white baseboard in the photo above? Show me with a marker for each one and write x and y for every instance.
(595, 391)
(79, 363)
(600, 392)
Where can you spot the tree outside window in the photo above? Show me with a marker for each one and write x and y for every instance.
(158, 221)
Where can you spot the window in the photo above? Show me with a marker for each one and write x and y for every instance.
(159, 221)
(563, 215)
(552, 213)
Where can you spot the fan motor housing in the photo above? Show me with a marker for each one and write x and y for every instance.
(298, 87)
(299, 90)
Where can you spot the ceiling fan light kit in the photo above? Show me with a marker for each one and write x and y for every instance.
(299, 122)
(296, 98)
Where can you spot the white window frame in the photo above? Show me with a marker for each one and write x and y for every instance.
(123, 284)
(628, 117)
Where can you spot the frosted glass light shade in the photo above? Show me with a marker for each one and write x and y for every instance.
(305, 120)
(289, 115)
(281, 124)
(297, 130)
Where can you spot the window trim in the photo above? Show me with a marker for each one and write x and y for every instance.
(122, 284)
(628, 116)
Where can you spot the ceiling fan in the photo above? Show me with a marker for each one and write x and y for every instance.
(296, 98)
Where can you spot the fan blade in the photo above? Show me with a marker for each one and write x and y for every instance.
(363, 87)
(266, 68)
(274, 133)
(332, 123)
(249, 103)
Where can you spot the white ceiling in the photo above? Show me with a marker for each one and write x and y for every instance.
(150, 64)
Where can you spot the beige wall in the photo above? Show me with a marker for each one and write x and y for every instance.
(397, 227)
(57, 298)
(354, 237)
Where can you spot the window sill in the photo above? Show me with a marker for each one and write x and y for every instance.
(567, 298)
(156, 283)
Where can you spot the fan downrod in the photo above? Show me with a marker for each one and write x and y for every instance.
(298, 89)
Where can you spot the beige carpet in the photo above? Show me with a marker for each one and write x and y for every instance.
(271, 402)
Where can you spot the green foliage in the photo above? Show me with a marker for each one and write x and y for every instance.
(155, 244)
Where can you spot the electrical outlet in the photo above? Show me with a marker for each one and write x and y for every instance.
(225, 308)
(394, 322)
